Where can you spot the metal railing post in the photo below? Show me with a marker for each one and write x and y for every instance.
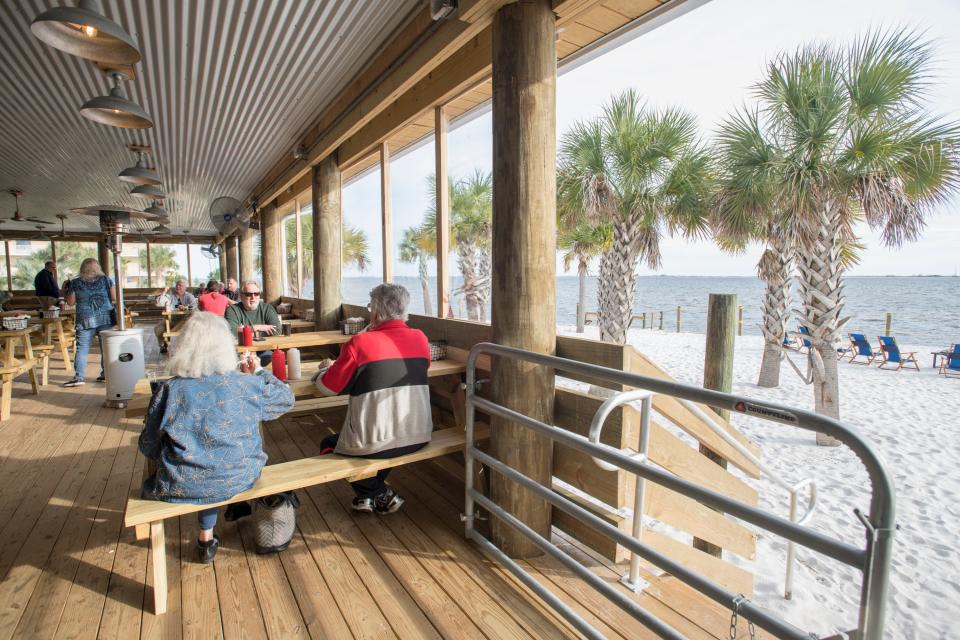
(632, 580)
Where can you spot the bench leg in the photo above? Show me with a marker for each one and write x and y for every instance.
(6, 396)
(45, 371)
(158, 553)
(34, 381)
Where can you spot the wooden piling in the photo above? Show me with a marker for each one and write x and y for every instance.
(886, 330)
(233, 265)
(678, 318)
(248, 266)
(271, 253)
(524, 243)
(740, 320)
(722, 321)
(327, 221)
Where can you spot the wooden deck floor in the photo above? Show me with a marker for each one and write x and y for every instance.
(69, 569)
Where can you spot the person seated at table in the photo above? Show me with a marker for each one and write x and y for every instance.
(230, 290)
(45, 285)
(178, 299)
(213, 301)
(384, 369)
(260, 315)
(203, 425)
(93, 294)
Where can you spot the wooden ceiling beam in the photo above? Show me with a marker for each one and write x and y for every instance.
(373, 91)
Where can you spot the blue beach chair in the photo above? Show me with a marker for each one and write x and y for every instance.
(803, 342)
(891, 353)
(950, 363)
(860, 347)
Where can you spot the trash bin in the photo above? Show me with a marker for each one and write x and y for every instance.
(123, 363)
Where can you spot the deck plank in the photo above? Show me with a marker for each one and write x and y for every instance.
(84, 605)
(347, 591)
(198, 587)
(169, 625)
(239, 609)
(399, 609)
(34, 611)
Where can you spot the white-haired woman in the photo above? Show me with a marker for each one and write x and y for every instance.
(93, 294)
(203, 425)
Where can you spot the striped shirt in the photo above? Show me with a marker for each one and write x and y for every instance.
(385, 372)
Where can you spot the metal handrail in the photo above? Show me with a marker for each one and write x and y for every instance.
(873, 560)
(623, 397)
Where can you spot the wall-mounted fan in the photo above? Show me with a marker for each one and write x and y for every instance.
(212, 252)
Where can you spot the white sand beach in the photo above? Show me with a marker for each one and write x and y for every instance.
(911, 418)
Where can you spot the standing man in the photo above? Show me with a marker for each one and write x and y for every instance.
(384, 369)
(45, 284)
(231, 291)
(179, 299)
(260, 315)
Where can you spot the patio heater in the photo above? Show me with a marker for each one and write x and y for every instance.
(123, 356)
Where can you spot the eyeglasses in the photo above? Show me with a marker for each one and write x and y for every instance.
(251, 294)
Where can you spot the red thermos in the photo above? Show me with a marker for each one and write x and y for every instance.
(247, 335)
(279, 364)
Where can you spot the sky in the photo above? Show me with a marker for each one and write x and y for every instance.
(705, 62)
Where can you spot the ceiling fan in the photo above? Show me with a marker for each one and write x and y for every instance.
(17, 216)
(42, 234)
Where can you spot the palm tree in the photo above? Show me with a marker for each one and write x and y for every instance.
(642, 172)
(354, 248)
(163, 264)
(471, 215)
(849, 135)
(583, 243)
(415, 247)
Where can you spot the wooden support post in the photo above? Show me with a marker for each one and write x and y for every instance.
(6, 255)
(661, 321)
(643, 320)
(443, 211)
(886, 330)
(271, 253)
(327, 223)
(222, 276)
(718, 370)
(233, 265)
(186, 246)
(149, 268)
(248, 267)
(53, 253)
(678, 318)
(740, 320)
(299, 222)
(386, 212)
(524, 243)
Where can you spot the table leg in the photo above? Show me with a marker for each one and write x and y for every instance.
(6, 395)
(64, 351)
(28, 354)
(9, 344)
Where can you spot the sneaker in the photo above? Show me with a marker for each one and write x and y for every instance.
(206, 551)
(75, 382)
(101, 378)
(387, 502)
(163, 348)
(363, 505)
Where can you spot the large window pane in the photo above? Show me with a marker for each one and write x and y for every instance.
(133, 261)
(27, 258)
(414, 229)
(167, 262)
(362, 266)
(70, 255)
(203, 267)
(306, 231)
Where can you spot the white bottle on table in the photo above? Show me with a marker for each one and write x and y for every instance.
(293, 364)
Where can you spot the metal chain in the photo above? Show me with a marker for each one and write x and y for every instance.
(734, 618)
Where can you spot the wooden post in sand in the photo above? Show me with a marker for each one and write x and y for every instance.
(886, 330)
(718, 370)
(524, 300)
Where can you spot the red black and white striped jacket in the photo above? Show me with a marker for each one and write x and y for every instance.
(385, 372)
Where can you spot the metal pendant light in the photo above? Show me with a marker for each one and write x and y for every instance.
(140, 173)
(85, 32)
(156, 209)
(148, 191)
(115, 109)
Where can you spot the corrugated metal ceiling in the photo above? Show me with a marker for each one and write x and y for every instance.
(229, 84)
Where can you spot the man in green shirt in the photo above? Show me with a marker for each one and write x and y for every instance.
(260, 315)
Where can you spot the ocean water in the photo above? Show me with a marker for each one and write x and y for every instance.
(926, 310)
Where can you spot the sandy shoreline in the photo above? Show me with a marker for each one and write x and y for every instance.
(911, 418)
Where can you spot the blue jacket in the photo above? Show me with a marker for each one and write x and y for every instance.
(204, 434)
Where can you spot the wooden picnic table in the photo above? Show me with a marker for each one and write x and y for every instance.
(13, 367)
(298, 340)
(53, 327)
(169, 315)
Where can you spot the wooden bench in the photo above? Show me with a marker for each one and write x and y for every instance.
(147, 516)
